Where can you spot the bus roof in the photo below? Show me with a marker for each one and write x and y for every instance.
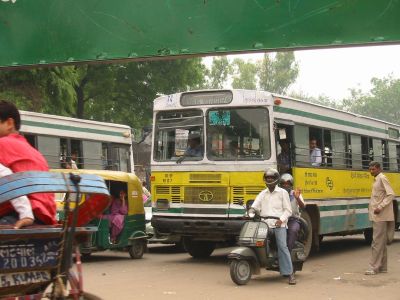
(46, 124)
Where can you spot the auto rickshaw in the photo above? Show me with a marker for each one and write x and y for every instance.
(133, 236)
(37, 261)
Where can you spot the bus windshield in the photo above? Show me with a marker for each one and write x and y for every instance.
(231, 134)
(238, 134)
(179, 134)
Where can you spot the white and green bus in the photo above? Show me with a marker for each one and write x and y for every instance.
(203, 198)
(93, 145)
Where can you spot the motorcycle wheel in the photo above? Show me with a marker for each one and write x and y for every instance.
(240, 271)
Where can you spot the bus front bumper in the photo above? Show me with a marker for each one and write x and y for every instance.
(207, 228)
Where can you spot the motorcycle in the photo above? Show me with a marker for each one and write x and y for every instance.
(257, 249)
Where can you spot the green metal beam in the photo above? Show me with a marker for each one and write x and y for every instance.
(34, 32)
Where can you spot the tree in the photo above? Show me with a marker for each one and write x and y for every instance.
(218, 75)
(48, 90)
(244, 74)
(381, 102)
(277, 74)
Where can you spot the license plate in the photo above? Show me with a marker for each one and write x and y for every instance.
(15, 279)
(29, 254)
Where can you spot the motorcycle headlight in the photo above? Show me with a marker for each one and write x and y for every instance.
(251, 212)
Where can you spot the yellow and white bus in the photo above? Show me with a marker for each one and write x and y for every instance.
(91, 144)
(203, 198)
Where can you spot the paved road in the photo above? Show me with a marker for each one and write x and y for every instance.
(335, 273)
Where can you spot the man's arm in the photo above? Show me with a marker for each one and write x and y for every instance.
(389, 195)
(287, 208)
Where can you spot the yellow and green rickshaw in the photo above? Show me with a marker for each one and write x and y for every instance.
(132, 236)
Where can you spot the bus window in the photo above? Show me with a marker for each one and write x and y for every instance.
(367, 151)
(393, 156)
(31, 139)
(172, 130)
(50, 148)
(356, 151)
(338, 140)
(302, 147)
(92, 153)
(238, 134)
(76, 151)
(377, 151)
(317, 156)
(385, 155)
(327, 149)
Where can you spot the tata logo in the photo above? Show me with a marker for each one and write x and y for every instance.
(206, 196)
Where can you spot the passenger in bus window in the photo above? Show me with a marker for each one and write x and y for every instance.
(284, 157)
(315, 153)
(74, 157)
(19, 156)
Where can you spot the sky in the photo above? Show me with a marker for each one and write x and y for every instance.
(332, 72)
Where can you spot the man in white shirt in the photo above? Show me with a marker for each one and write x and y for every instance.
(315, 153)
(21, 205)
(274, 202)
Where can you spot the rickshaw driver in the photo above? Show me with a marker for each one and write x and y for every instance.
(18, 155)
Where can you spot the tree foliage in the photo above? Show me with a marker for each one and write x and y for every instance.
(278, 73)
(244, 74)
(120, 93)
(381, 102)
(218, 75)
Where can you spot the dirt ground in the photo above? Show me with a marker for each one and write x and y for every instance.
(335, 273)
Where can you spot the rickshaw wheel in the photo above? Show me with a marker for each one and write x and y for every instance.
(137, 249)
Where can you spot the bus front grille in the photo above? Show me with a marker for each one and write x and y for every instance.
(206, 195)
(205, 178)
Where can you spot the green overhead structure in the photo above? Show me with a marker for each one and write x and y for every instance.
(35, 32)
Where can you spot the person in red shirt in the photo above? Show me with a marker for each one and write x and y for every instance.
(19, 156)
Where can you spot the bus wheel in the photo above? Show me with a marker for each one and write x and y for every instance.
(199, 249)
(137, 249)
(368, 235)
(308, 242)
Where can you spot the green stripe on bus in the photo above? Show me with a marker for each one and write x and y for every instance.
(334, 224)
(326, 119)
(343, 207)
(70, 128)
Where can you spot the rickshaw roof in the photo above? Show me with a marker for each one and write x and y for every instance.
(105, 174)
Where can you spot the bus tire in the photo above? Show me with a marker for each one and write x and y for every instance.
(309, 240)
(368, 235)
(198, 249)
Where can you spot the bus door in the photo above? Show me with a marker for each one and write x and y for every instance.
(284, 146)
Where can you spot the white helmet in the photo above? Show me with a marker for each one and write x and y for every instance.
(287, 177)
(271, 172)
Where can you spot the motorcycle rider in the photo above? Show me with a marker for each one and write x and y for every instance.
(296, 201)
(274, 201)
